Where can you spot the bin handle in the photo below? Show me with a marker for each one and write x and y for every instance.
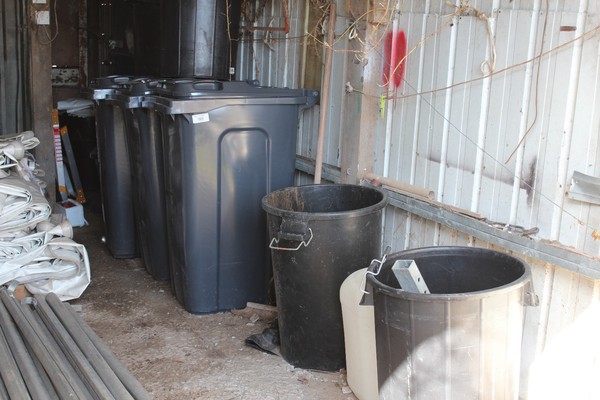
(304, 243)
(368, 272)
(531, 298)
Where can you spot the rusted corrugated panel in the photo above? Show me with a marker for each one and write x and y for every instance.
(65, 76)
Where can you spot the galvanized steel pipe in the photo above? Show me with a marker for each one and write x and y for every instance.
(88, 348)
(49, 352)
(130, 382)
(59, 381)
(13, 381)
(55, 352)
(38, 389)
(89, 374)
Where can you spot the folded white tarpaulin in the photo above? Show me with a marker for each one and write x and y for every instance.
(45, 263)
(27, 138)
(22, 205)
(82, 108)
(33, 251)
(15, 157)
(10, 154)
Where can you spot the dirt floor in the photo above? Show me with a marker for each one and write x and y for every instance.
(177, 355)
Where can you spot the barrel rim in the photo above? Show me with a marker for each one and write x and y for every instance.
(307, 216)
(379, 287)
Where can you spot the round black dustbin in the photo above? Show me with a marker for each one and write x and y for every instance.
(461, 341)
(319, 234)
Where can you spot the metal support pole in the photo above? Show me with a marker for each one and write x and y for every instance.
(325, 93)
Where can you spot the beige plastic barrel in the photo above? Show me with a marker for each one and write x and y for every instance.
(359, 337)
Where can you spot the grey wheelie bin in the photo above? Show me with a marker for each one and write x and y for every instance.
(226, 145)
(115, 172)
(145, 157)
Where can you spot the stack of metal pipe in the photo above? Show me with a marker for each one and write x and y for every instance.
(48, 352)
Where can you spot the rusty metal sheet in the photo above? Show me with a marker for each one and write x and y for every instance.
(65, 76)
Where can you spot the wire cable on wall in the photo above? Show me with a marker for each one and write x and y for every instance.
(47, 31)
(503, 165)
(380, 18)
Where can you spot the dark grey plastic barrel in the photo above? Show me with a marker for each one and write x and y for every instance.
(115, 169)
(144, 143)
(462, 341)
(225, 146)
(319, 235)
(199, 37)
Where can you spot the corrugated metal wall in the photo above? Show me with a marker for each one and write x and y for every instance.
(276, 59)
(14, 58)
(505, 146)
(502, 146)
